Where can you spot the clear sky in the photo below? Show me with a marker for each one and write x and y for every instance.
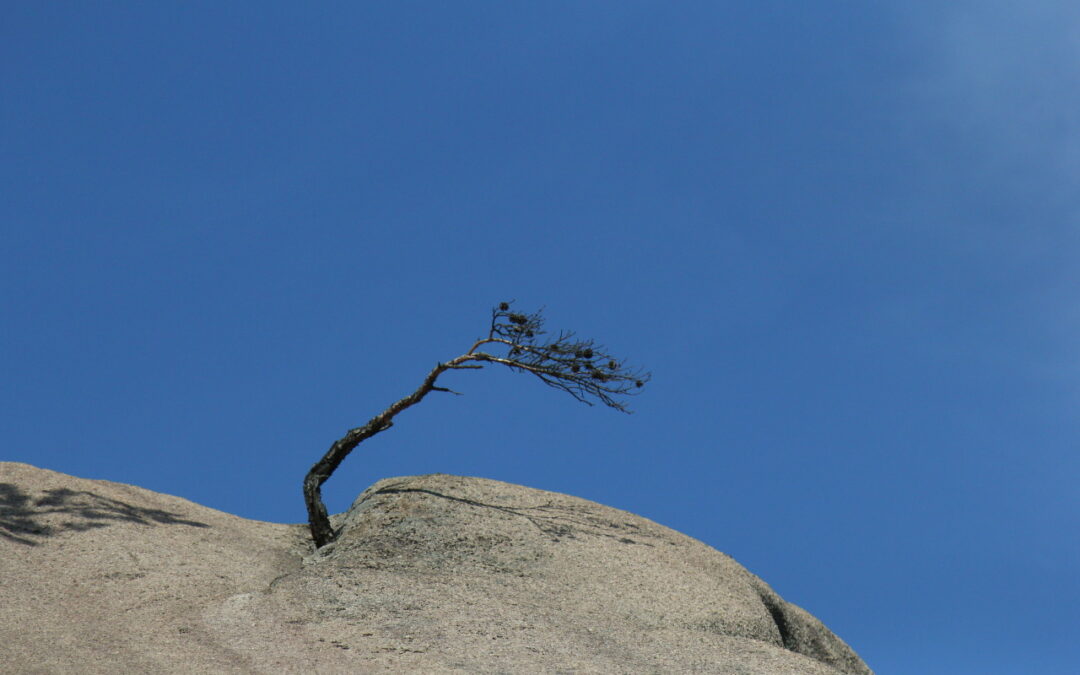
(843, 235)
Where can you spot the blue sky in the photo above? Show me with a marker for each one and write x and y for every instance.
(842, 235)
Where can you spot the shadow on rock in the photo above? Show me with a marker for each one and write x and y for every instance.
(27, 519)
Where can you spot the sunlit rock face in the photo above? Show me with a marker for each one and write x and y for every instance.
(430, 574)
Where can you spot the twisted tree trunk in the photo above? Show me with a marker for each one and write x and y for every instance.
(579, 367)
(318, 519)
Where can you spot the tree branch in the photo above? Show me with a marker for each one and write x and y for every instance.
(318, 519)
(581, 368)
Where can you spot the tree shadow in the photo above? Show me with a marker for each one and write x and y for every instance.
(28, 520)
(553, 520)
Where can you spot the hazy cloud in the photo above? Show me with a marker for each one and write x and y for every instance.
(997, 88)
(1005, 76)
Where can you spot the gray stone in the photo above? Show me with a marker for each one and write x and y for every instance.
(433, 574)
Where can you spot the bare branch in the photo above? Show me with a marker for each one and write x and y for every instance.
(581, 368)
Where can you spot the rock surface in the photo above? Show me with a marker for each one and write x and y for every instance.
(433, 574)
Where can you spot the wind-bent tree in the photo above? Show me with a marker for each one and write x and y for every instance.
(581, 368)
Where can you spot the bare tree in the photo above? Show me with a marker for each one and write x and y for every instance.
(581, 368)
